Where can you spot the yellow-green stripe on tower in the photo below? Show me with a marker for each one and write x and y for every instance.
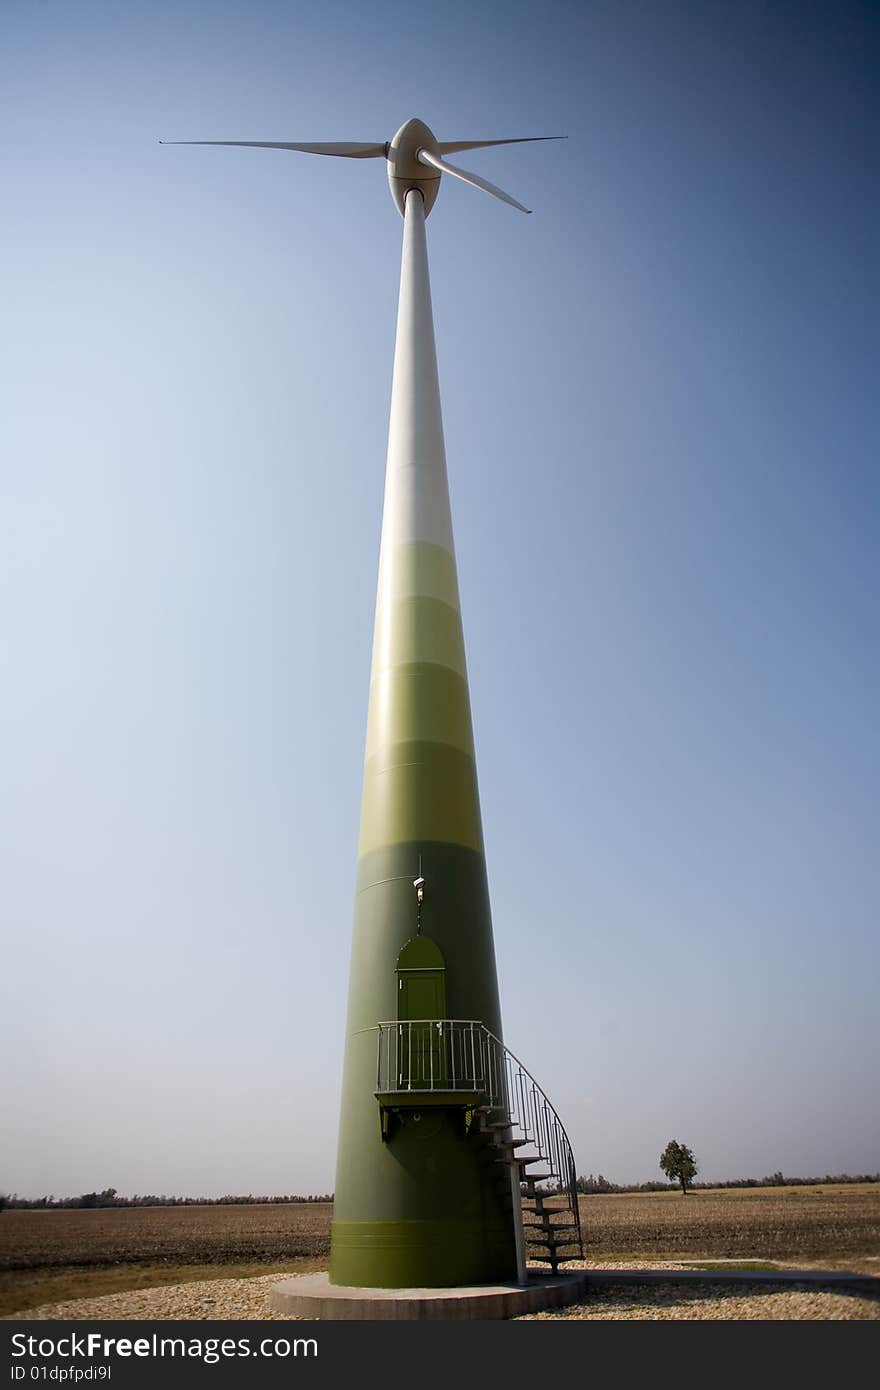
(417, 1202)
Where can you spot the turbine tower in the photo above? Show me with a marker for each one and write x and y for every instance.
(439, 1121)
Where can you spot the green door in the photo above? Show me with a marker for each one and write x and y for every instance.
(421, 1009)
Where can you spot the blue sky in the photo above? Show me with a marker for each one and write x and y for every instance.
(662, 434)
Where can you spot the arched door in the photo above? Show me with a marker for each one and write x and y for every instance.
(421, 1008)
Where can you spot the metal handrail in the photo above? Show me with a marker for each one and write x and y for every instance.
(463, 1055)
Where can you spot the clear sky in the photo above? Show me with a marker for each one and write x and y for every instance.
(660, 403)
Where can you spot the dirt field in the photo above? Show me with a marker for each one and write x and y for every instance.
(51, 1255)
(46, 1256)
(835, 1227)
(152, 1235)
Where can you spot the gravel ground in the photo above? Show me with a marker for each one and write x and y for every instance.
(717, 1302)
(244, 1299)
(248, 1300)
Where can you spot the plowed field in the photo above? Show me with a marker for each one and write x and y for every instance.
(48, 1255)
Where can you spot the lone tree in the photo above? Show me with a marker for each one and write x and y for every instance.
(679, 1164)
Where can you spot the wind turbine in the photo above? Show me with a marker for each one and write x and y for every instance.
(439, 1121)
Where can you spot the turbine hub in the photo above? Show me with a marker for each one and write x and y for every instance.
(405, 171)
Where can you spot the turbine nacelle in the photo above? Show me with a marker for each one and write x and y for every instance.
(406, 170)
(414, 158)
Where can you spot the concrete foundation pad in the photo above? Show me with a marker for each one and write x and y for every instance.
(312, 1296)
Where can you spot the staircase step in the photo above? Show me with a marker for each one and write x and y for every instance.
(552, 1257)
(555, 1244)
(549, 1225)
(552, 1230)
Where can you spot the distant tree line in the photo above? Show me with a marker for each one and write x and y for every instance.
(591, 1185)
(110, 1198)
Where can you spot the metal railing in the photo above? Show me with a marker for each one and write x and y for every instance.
(436, 1055)
(462, 1055)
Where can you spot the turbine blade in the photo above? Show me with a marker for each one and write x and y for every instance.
(456, 146)
(343, 150)
(426, 157)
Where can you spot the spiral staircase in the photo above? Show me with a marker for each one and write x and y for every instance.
(460, 1063)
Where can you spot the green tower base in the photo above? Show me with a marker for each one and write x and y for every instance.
(452, 1219)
